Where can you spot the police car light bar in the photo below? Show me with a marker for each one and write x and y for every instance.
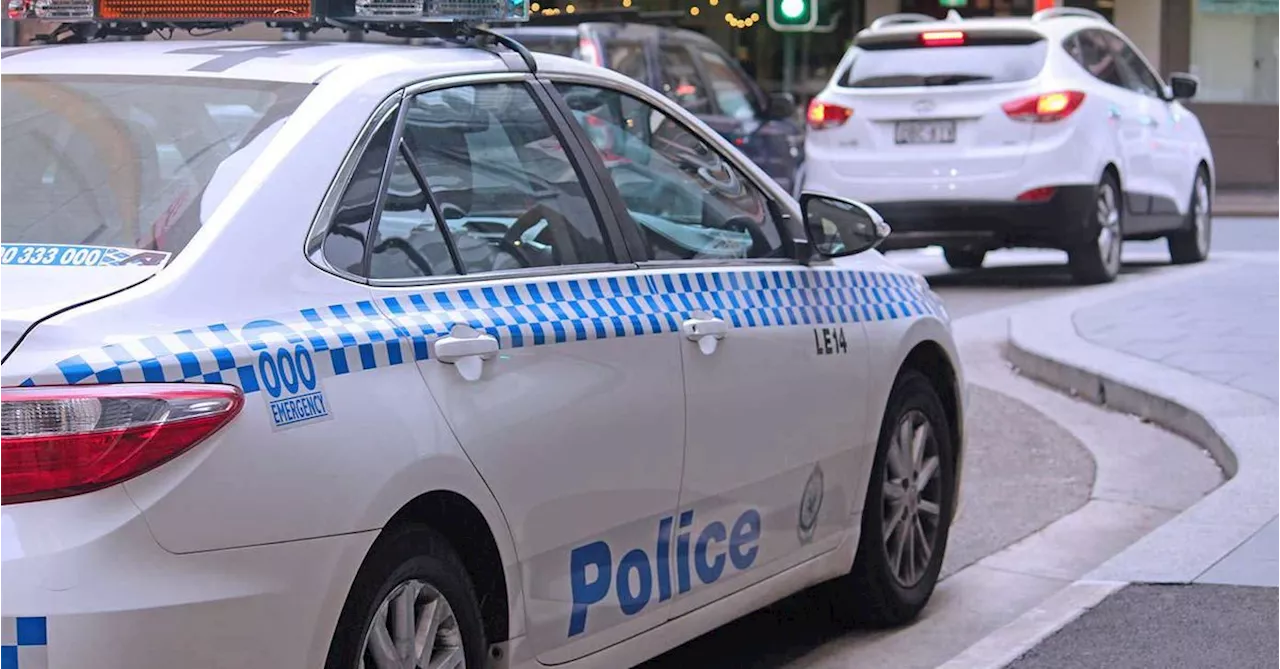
(282, 11)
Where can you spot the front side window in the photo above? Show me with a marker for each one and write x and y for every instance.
(688, 201)
(681, 81)
(479, 182)
(628, 58)
(1141, 79)
(130, 162)
(1099, 53)
(732, 95)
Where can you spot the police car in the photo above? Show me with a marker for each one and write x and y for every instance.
(354, 355)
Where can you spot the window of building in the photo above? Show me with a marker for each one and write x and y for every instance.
(1234, 51)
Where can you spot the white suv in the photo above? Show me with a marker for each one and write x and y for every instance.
(978, 134)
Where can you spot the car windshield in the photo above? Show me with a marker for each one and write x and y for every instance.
(128, 162)
(944, 66)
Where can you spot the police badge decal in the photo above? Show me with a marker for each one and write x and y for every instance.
(810, 505)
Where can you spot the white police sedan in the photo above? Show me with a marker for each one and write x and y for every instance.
(355, 355)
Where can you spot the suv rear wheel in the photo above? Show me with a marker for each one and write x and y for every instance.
(1097, 260)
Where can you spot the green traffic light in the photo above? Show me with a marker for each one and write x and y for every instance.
(792, 9)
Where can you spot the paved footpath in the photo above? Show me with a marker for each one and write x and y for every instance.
(1196, 351)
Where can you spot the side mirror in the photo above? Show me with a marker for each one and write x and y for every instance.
(781, 105)
(1183, 86)
(838, 227)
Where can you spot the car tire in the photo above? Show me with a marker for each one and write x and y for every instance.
(963, 258)
(1191, 243)
(882, 589)
(409, 565)
(1097, 260)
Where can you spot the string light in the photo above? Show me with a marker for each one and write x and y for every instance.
(626, 3)
(694, 11)
(713, 3)
(569, 8)
(741, 23)
(535, 7)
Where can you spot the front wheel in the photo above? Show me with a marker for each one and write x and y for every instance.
(907, 515)
(1191, 243)
(1097, 260)
(412, 606)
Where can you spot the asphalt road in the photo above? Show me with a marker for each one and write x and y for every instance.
(1015, 453)
(1167, 626)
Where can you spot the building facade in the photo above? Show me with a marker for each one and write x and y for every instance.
(1231, 45)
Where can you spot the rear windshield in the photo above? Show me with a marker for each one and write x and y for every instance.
(128, 162)
(911, 65)
(556, 45)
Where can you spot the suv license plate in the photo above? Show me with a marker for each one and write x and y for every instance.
(925, 132)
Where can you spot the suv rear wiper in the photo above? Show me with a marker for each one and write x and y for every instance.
(953, 79)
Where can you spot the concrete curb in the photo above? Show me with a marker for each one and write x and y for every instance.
(1237, 428)
(1013, 640)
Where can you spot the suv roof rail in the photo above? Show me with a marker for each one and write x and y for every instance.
(895, 19)
(1062, 12)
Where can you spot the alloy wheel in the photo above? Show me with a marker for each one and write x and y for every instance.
(912, 498)
(413, 628)
(1109, 233)
(1200, 216)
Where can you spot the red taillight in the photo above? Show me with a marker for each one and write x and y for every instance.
(60, 441)
(826, 115)
(1044, 108)
(1042, 194)
(943, 38)
(589, 51)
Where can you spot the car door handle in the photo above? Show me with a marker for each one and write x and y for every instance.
(466, 348)
(706, 330)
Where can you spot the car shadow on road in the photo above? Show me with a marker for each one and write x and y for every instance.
(1028, 276)
(768, 638)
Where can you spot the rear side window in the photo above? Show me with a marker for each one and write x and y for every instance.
(129, 162)
(909, 63)
(556, 45)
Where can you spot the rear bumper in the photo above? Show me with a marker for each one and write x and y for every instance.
(1062, 222)
(86, 585)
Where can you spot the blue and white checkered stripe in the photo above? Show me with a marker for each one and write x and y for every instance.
(347, 338)
(24, 643)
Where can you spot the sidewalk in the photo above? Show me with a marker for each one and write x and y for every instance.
(1195, 351)
(1246, 203)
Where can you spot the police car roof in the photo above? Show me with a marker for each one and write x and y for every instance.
(284, 61)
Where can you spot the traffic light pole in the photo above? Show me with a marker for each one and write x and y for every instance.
(788, 62)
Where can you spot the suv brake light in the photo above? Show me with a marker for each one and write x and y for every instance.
(589, 51)
(1044, 108)
(943, 38)
(67, 440)
(826, 115)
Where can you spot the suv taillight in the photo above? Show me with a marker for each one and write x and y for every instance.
(1044, 108)
(59, 441)
(589, 51)
(826, 115)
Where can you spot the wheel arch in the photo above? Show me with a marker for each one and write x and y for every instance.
(467, 530)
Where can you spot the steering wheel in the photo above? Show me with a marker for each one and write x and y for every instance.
(557, 226)
(760, 246)
(447, 208)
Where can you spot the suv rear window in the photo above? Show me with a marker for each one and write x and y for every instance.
(129, 162)
(906, 62)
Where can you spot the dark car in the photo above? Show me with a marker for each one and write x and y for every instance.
(692, 70)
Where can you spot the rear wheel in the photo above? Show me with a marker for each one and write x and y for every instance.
(412, 606)
(1097, 260)
(963, 258)
(1191, 243)
(907, 515)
